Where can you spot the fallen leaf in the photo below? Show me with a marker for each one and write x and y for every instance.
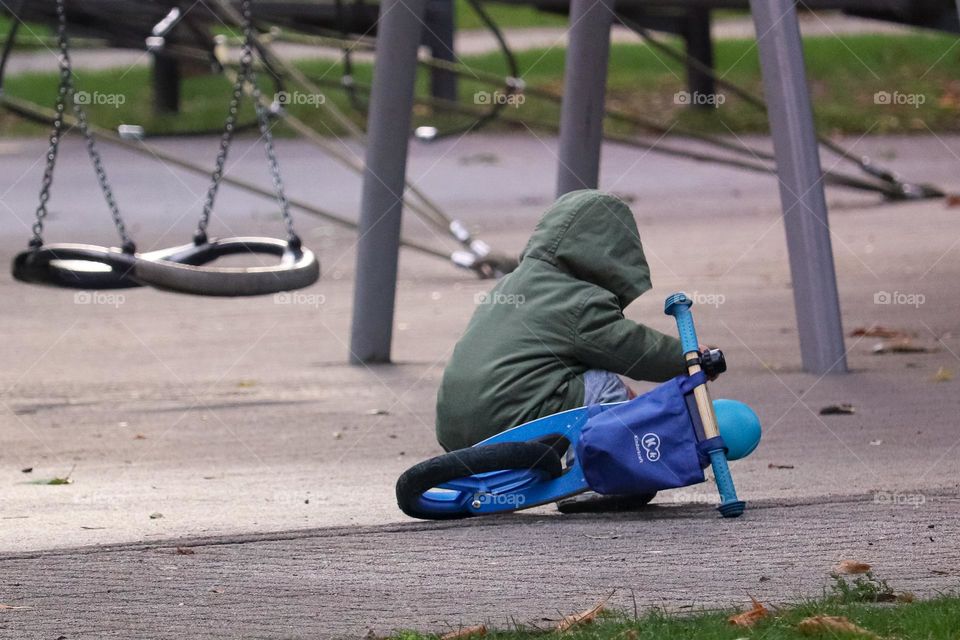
(953, 200)
(773, 465)
(844, 409)
(185, 551)
(10, 607)
(215, 590)
(852, 567)
(943, 375)
(246, 384)
(466, 632)
(26, 470)
(139, 436)
(878, 331)
(750, 617)
(53, 481)
(584, 617)
(817, 625)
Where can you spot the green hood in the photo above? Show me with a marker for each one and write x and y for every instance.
(530, 342)
(593, 237)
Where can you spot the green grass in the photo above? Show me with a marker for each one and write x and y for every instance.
(936, 619)
(506, 16)
(841, 74)
(31, 35)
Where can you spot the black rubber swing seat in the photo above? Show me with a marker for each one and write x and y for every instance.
(184, 269)
(77, 266)
(187, 269)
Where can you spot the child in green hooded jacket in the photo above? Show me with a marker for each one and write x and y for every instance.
(551, 336)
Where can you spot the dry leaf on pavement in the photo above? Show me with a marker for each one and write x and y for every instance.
(584, 617)
(817, 625)
(466, 632)
(943, 375)
(750, 617)
(843, 409)
(878, 331)
(10, 607)
(852, 567)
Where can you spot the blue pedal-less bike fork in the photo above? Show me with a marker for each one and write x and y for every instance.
(678, 305)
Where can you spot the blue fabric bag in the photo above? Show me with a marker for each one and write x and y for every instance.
(643, 445)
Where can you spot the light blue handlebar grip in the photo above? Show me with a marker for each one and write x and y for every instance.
(730, 505)
(678, 305)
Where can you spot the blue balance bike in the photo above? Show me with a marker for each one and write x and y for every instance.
(661, 440)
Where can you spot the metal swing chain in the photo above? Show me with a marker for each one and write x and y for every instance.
(66, 91)
(57, 132)
(245, 75)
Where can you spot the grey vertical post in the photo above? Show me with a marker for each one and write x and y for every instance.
(438, 34)
(696, 34)
(166, 83)
(801, 186)
(584, 90)
(381, 206)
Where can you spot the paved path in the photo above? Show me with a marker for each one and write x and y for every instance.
(236, 419)
(470, 42)
(526, 570)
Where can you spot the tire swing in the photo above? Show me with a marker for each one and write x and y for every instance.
(183, 269)
(186, 269)
(66, 264)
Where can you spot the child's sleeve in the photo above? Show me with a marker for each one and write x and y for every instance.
(604, 339)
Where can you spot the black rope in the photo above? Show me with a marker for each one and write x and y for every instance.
(513, 85)
(900, 189)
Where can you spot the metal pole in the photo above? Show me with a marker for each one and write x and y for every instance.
(584, 91)
(381, 205)
(166, 83)
(438, 35)
(801, 187)
(696, 34)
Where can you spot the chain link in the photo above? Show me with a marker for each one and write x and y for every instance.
(66, 92)
(246, 75)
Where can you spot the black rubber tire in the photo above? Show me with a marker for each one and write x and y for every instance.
(466, 462)
(591, 502)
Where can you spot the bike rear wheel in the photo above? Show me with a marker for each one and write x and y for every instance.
(452, 485)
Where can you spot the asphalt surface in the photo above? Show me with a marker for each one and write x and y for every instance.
(236, 428)
(517, 570)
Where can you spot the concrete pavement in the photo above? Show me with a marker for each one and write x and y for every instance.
(234, 426)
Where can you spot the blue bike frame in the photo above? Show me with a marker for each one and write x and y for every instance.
(510, 490)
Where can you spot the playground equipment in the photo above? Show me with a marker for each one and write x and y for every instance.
(184, 269)
(170, 33)
(661, 440)
(399, 32)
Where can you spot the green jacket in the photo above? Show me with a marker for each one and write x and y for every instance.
(559, 314)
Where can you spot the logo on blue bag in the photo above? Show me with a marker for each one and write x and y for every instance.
(651, 444)
(647, 447)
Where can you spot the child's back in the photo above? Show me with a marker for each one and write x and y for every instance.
(532, 339)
